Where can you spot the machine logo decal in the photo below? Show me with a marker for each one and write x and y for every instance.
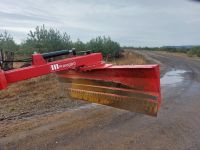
(54, 67)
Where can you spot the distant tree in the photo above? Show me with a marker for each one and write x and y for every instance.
(104, 45)
(8, 45)
(79, 45)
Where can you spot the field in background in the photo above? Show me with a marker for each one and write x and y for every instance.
(179, 55)
(130, 57)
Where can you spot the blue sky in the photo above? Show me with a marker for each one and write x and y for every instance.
(129, 22)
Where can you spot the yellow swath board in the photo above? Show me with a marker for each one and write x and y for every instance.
(133, 88)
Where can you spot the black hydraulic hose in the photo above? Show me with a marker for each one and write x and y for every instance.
(51, 55)
(56, 54)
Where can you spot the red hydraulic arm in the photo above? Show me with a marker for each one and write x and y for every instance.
(41, 67)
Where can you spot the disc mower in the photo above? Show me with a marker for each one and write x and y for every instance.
(87, 77)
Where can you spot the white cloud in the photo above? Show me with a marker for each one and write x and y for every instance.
(130, 22)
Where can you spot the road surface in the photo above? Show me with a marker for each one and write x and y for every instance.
(99, 127)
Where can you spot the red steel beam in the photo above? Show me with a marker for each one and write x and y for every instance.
(41, 67)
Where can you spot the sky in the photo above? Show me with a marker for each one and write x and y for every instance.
(130, 22)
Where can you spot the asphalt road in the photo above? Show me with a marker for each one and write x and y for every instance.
(99, 127)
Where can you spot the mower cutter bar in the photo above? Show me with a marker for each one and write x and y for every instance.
(133, 88)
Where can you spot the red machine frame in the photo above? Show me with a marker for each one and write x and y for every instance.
(141, 80)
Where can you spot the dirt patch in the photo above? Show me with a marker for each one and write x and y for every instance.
(35, 96)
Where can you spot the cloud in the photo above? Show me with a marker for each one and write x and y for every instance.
(130, 22)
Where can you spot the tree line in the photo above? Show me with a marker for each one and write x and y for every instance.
(44, 40)
(47, 40)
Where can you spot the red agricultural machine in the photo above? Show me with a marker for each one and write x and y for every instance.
(134, 88)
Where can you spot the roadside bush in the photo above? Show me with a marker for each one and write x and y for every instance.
(194, 52)
(104, 45)
(79, 45)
